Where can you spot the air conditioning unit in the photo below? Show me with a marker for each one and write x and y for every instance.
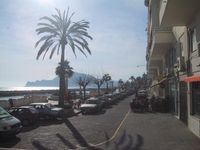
(181, 64)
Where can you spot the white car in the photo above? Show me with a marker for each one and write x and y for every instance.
(9, 125)
(142, 93)
(91, 105)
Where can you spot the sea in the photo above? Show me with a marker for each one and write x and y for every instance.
(25, 89)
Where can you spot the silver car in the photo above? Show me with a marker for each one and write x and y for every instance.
(48, 111)
(9, 125)
(91, 105)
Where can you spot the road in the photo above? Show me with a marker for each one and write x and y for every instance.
(116, 128)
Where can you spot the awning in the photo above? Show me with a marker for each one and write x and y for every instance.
(192, 79)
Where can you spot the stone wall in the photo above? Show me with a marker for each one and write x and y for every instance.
(22, 101)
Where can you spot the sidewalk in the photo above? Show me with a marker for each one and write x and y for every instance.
(153, 131)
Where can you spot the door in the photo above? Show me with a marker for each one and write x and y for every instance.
(183, 102)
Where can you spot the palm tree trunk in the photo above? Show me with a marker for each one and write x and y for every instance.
(67, 98)
(62, 78)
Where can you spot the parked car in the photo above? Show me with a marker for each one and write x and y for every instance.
(91, 105)
(48, 111)
(106, 101)
(110, 97)
(26, 114)
(9, 125)
(142, 93)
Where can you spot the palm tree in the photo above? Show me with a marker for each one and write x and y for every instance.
(57, 32)
(106, 78)
(68, 72)
(120, 84)
(132, 78)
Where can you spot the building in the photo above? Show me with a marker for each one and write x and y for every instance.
(173, 57)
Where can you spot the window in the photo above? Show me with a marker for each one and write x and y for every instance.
(196, 98)
(193, 40)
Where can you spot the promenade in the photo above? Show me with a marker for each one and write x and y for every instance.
(116, 128)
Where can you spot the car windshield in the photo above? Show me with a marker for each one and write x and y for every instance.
(3, 113)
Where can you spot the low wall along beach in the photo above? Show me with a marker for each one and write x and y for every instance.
(22, 101)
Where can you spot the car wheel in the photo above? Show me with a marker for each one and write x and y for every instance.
(83, 112)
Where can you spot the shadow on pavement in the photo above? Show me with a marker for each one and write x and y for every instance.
(80, 139)
(66, 142)
(39, 146)
(103, 111)
(126, 142)
(8, 142)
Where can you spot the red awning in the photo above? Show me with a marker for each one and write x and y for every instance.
(192, 79)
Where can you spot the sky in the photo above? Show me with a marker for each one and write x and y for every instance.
(118, 46)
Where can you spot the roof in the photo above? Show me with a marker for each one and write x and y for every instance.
(25, 106)
(39, 103)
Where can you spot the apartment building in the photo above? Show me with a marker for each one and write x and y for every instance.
(173, 57)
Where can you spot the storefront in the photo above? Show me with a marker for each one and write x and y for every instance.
(173, 95)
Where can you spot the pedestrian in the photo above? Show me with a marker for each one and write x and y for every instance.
(11, 102)
(79, 103)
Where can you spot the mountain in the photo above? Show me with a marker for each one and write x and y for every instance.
(55, 82)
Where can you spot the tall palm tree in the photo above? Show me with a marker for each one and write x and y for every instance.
(68, 72)
(57, 32)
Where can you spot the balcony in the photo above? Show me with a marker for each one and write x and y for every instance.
(177, 12)
(162, 39)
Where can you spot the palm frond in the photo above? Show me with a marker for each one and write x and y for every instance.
(46, 38)
(53, 22)
(80, 50)
(59, 29)
(71, 43)
(44, 47)
(46, 30)
(53, 50)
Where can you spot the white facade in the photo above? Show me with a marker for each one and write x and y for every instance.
(173, 53)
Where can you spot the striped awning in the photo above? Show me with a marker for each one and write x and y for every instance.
(192, 79)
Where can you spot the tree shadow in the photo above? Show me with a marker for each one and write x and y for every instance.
(80, 139)
(76, 134)
(66, 142)
(39, 146)
(8, 142)
(127, 142)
